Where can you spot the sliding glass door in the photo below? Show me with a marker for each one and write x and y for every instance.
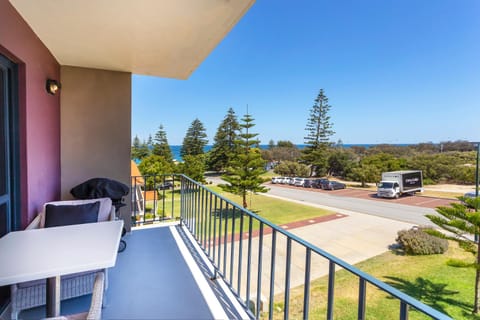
(9, 162)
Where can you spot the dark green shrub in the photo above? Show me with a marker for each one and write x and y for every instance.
(460, 263)
(418, 242)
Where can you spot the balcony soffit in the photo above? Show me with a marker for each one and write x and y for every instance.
(166, 38)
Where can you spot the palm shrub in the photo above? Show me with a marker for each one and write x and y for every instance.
(462, 222)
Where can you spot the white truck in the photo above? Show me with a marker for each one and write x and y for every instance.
(396, 183)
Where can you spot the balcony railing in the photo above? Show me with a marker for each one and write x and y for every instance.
(257, 259)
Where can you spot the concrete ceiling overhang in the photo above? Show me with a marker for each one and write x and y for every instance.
(166, 38)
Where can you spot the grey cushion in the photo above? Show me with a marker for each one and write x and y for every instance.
(71, 214)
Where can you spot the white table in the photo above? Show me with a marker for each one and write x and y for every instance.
(53, 252)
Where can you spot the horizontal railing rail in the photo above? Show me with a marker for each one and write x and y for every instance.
(225, 232)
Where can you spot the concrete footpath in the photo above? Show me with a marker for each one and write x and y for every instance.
(352, 237)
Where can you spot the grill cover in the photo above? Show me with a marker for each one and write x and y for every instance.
(100, 188)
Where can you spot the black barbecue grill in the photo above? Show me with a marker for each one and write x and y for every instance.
(104, 188)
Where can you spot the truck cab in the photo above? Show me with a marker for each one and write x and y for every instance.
(388, 189)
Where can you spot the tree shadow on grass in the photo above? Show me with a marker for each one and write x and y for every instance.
(436, 295)
(227, 213)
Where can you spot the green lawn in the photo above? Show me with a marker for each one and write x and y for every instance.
(426, 278)
(275, 210)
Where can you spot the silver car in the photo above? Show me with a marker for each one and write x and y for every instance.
(470, 194)
(286, 180)
(299, 182)
(277, 180)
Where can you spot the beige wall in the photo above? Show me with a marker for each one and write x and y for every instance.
(95, 128)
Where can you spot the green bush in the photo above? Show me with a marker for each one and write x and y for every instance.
(417, 242)
(460, 263)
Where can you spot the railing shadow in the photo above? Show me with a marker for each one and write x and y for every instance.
(433, 294)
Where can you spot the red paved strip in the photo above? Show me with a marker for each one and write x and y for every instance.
(298, 224)
(287, 226)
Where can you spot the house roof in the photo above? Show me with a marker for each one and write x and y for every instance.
(136, 175)
(167, 38)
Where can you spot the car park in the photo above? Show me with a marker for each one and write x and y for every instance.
(333, 185)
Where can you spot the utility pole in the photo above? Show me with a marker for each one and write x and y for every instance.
(476, 144)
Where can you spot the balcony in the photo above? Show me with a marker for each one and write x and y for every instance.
(211, 259)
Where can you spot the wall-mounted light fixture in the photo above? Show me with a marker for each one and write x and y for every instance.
(52, 86)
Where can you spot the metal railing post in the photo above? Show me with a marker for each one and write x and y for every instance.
(259, 272)
(272, 275)
(240, 255)
(331, 289)
(232, 246)
(362, 291)
(306, 284)
(249, 260)
(288, 263)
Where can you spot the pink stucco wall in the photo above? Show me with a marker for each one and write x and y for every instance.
(39, 112)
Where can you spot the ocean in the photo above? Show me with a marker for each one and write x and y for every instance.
(176, 148)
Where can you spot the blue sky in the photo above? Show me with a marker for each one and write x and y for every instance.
(394, 72)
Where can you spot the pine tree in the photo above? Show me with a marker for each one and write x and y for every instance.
(139, 149)
(160, 145)
(271, 144)
(135, 148)
(243, 173)
(224, 142)
(319, 130)
(149, 144)
(195, 139)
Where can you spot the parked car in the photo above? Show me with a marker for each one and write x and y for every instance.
(299, 182)
(286, 180)
(317, 183)
(470, 194)
(333, 185)
(165, 186)
(308, 183)
(277, 180)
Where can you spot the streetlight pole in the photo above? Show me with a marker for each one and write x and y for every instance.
(477, 144)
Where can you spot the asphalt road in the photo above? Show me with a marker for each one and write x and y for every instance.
(386, 209)
(394, 211)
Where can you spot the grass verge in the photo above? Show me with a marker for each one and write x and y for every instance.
(427, 278)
